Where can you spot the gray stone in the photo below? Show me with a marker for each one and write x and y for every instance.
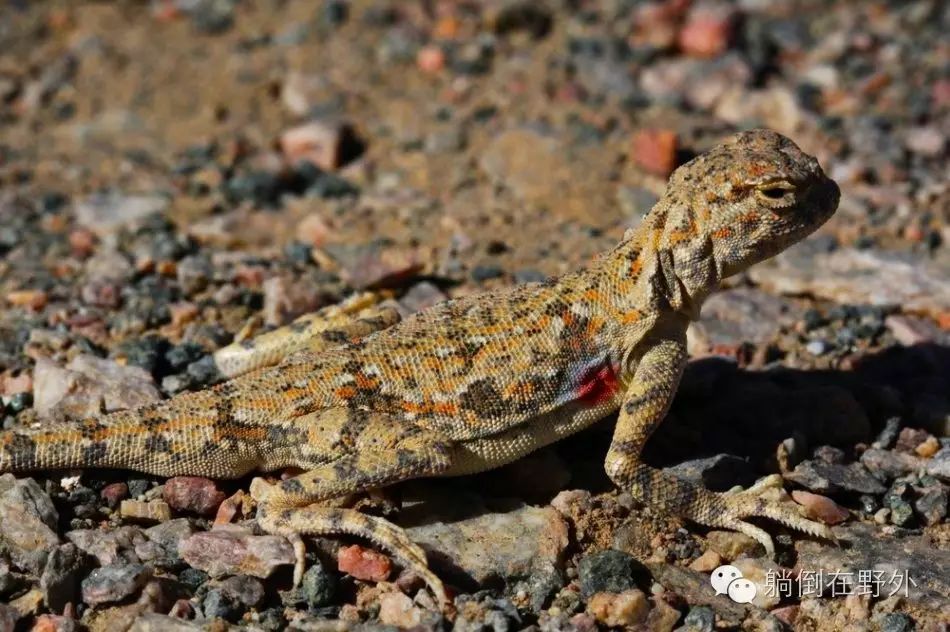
(718, 473)
(169, 534)
(477, 545)
(66, 565)
(88, 386)
(28, 521)
(828, 478)
(233, 550)
(113, 546)
(699, 619)
(114, 583)
(244, 589)
(739, 315)
(105, 214)
(218, 604)
(608, 571)
(867, 546)
(319, 586)
(155, 622)
(858, 277)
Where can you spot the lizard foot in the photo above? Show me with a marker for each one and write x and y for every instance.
(763, 499)
(291, 522)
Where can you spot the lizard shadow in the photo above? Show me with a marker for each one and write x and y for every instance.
(723, 429)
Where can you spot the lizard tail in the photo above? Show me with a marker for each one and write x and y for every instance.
(82, 443)
(167, 438)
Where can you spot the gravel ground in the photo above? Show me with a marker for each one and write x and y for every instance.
(177, 173)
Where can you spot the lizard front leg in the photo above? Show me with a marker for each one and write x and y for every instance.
(645, 404)
(384, 453)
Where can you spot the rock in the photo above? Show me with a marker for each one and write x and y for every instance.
(732, 545)
(483, 545)
(33, 299)
(246, 590)
(151, 511)
(114, 583)
(219, 605)
(155, 622)
(66, 565)
(194, 494)
(89, 386)
(663, 616)
(112, 546)
(375, 268)
(607, 571)
(114, 493)
(169, 535)
(28, 521)
(106, 213)
(927, 141)
(8, 617)
(909, 330)
(363, 563)
(694, 588)
(319, 587)
(931, 501)
(397, 609)
(888, 464)
(858, 277)
(54, 623)
(654, 150)
(527, 162)
(896, 555)
(888, 435)
(699, 619)
(707, 562)
(826, 478)
(421, 296)
(718, 473)
(740, 315)
(757, 570)
(327, 145)
(232, 551)
(430, 59)
(619, 609)
(909, 438)
(820, 507)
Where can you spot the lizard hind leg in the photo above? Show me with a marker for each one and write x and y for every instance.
(384, 453)
(329, 327)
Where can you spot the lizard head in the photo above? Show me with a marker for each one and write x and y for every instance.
(740, 203)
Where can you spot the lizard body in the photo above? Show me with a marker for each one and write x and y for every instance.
(476, 382)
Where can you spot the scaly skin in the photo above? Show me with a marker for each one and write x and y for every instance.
(474, 383)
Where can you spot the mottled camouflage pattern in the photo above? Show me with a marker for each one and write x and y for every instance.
(477, 382)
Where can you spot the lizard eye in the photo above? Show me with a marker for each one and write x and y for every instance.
(776, 193)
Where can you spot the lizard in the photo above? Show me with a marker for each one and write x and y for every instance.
(360, 399)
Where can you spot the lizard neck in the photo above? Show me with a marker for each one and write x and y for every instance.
(656, 268)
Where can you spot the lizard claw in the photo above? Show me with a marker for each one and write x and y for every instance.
(763, 499)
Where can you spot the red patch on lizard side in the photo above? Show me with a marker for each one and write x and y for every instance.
(598, 385)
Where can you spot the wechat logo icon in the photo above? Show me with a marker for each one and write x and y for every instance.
(728, 580)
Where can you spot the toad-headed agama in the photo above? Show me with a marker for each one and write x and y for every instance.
(360, 401)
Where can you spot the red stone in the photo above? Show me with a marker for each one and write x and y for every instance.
(430, 59)
(706, 33)
(114, 494)
(362, 563)
(193, 493)
(654, 150)
(820, 507)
